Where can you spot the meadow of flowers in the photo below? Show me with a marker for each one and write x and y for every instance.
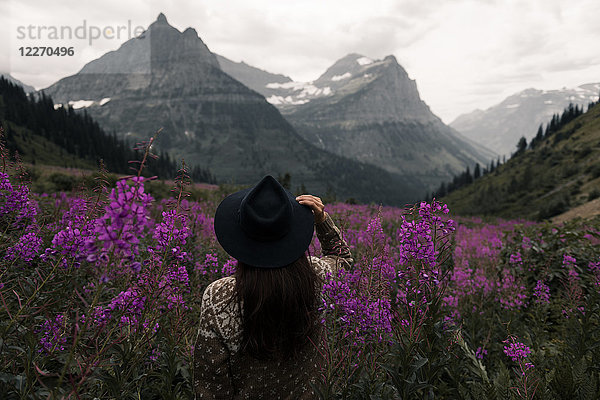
(100, 293)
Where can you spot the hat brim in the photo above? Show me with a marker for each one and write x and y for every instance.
(271, 254)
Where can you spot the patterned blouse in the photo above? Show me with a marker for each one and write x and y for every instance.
(222, 371)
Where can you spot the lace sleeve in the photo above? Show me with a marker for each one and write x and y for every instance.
(335, 251)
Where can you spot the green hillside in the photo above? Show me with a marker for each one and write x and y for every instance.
(561, 172)
(44, 134)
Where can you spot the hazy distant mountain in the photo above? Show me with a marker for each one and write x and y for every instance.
(170, 79)
(500, 127)
(561, 172)
(10, 78)
(371, 111)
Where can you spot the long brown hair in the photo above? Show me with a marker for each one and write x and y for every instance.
(279, 308)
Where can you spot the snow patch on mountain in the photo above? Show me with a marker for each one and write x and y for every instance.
(278, 100)
(77, 104)
(336, 78)
(104, 101)
(288, 85)
(295, 93)
(364, 61)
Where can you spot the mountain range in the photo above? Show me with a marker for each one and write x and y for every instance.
(360, 130)
(500, 127)
(170, 79)
(370, 111)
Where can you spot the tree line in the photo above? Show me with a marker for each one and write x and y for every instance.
(554, 128)
(78, 134)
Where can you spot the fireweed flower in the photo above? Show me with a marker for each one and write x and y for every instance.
(568, 261)
(416, 238)
(172, 285)
(361, 316)
(131, 303)
(54, 335)
(125, 219)
(15, 201)
(229, 267)
(541, 292)
(375, 238)
(573, 274)
(511, 293)
(526, 243)
(418, 277)
(517, 351)
(172, 231)
(516, 258)
(72, 240)
(480, 353)
(154, 354)
(27, 248)
(209, 266)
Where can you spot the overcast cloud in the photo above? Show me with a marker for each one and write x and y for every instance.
(463, 54)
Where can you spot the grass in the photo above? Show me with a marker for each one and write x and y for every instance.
(561, 173)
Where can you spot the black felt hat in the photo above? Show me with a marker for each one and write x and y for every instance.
(264, 226)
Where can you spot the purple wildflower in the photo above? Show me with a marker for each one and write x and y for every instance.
(26, 248)
(568, 261)
(516, 258)
(517, 351)
(541, 292)
(53, 334)
(229, 267)
(480, 353)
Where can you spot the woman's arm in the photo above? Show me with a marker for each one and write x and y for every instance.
(333, 247)
(335, 250)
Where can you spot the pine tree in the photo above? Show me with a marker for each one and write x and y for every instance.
(442, 190)
(477, 172)
(538, 137)
(468, 176)
(521, 146)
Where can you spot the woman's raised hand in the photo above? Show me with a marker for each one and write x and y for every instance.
(315, 204)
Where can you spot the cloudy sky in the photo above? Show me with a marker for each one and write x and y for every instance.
(463, 54)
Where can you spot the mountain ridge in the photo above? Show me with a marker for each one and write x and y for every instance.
(10, 78)
(370, 110)
(211, 119)
(500, 126)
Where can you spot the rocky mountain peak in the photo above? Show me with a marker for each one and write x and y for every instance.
(169, 46)
(161, 19)
(191, 32)
(344, 68)
(158, 49)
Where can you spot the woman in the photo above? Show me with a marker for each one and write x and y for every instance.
(259, 329)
